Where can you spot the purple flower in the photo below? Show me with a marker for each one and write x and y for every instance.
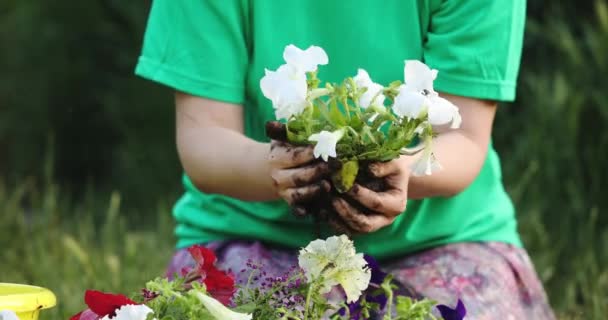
(377, 278)
(377, 274)
(354, 310)
(457, 313)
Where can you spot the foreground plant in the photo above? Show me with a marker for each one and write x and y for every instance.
(331, 281)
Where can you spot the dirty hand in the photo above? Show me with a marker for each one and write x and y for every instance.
(297, 176)
(368, 210)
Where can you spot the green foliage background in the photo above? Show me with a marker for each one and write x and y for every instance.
(78, 133)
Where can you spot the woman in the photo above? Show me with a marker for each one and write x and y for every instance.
(456, 239)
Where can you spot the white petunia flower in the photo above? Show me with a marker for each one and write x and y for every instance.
(426, 164)
(418, 95)
(286, 88)
(219, 311)
(373, 96)
(419, 77)
(8, 315)
(131, 312)
(442, 111)
(326, 143)
(409, 103)
(305, 60)
(336, 262)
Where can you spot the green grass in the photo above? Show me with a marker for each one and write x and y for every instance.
(69, 247)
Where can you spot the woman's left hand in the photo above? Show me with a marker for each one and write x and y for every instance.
(375, 210)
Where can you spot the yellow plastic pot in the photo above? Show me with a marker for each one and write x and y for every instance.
(25, 301)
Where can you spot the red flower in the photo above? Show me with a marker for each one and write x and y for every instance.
(218, 283)
(102, 304)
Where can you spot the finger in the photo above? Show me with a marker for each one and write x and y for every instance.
(305, 194)
(301, 176)
(357, 220)
(383, 169)
(299, 211)
(390, 203)
(286, 155)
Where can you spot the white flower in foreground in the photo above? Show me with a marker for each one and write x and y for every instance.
(305, 60)
(131, 312)
(326, 143)
(218, 310)
(419, 77)
(373, 95)
(286, 88)
(409, 103)
(336, 261)
(8, 315)
(442, 111)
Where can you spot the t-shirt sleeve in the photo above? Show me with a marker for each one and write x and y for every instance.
(476, 46)
(198, 47)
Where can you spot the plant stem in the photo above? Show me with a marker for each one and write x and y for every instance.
(308, 296)
(389, 306)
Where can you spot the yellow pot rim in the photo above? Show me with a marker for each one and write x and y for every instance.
(23, 298)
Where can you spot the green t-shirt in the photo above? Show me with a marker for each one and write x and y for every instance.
(219, 49)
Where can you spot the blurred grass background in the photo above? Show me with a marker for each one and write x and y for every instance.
(89, 172)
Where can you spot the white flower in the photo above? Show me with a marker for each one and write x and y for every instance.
(305, 60)
(8, 315)
(409, 103)
(286, 88)
(442, 111)
(418, 95)
(131, 312)
(426, 164)
(336, 261)
(326, 143)
(218, 310)
(419, 77)
(373, 95)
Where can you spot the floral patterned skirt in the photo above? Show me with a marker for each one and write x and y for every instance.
(494, 280)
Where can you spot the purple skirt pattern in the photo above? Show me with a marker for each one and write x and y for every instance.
(494, 280)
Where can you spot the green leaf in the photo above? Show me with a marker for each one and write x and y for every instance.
(344, 178)
(335, 115)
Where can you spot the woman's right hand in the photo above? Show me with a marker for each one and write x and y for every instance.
(298, 177)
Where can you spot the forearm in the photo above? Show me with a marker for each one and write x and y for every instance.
(461, 159)
(222, 161)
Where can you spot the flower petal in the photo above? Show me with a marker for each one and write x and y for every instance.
(419, 76)
(105, 304)
(287, 89)
(326, 143)
(202, 256)
(373, 95)
(305, 60)
(409, 103)
(448, 313)
(442, 111)
(336, 262)
(131, 312)
(426, 165)
(219, 311)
